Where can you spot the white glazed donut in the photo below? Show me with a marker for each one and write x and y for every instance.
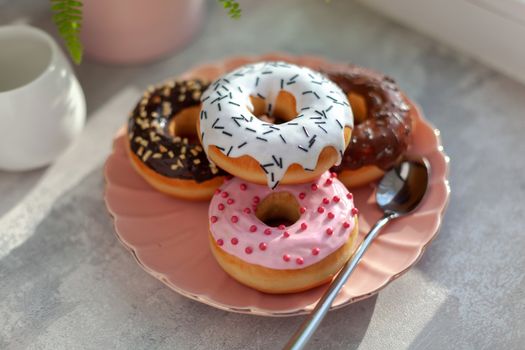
(283, 257)
(228, 123)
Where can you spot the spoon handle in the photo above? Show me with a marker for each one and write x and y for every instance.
(307, 329)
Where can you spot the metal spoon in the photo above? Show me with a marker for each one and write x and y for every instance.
(399, 192)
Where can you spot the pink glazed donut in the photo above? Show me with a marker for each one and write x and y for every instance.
(283, 241)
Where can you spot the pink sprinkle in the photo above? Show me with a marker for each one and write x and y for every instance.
(286, 257)
(235, 219)
(304, 226)
(248, 250)
(355, 211)
(220, 242)
(253, 228)
(286, 234)
(349, 196)
(329, 231)
(247, 210)
(281, 227)
(221, 206)
(243, 187)
(263, 246)
(224, 194)
(331, 215)
(314, 187)
(299, 261)
(256, 199)
(336, 199)
(217, 191)
(230, 201)
(326, 200)
(302, 210)
(267, 231)
(234, 241)
(320, 210)
(332, 174)
(315, 251)
(328, 182)
(214, 219)
(346, 224)
(302, 195)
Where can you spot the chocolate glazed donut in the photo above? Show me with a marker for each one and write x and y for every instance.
(157, 153)
(384, 124)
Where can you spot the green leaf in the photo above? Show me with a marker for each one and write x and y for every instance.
(233, 7)
(67, 16)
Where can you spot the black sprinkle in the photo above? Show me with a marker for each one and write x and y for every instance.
(226, 80)
(257, 81)
(250, 129)
(235, 120)
(204, 115)
(261, 96)
(331, 98)
(308, 169)
(267, 72)
(317, 82)
(282, 83)
(274, 127)
(308, 92)
(233, 103)
(229, 151)
(306, 132)
(267, 165)
(322, 128)
(204, 99)
(243, 117)
(261, 138)
(316, 95)
(329, 108)
(251, 118)
(239, 75)
(315, 118)
(231, 96)
(219, 93)
(290, 82)
(225, 88)
(293, 78)
(275, 185)
(202, 136)
(293, 124)
(316, 111)
(302, 148)
(239, 88)
(305, 108)
(311, 75)
(267, 132)
(221, 148)
(312, 141)
(323, 122)
(227, 133)
(242, 144)
(346, 103)
(299, 116)
(324, 115)
(278, 162)
(282, 138)
(215, 122)
(340, 125)
(219, 106)
(264, 169)
(273, 179)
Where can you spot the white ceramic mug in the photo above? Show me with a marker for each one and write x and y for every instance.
(42, 106)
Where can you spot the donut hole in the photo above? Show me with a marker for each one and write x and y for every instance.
(278, 208)
(184, 124)
(282, 110)
(359, 108)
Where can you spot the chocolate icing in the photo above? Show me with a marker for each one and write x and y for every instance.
(385, 133)
(171, 156)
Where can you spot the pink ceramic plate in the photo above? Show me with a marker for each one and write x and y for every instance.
(169, 237)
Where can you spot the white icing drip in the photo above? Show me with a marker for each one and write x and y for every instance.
(228, 123)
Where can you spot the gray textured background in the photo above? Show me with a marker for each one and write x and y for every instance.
(66, 283)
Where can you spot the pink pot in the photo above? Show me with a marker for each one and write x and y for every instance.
(138, 31)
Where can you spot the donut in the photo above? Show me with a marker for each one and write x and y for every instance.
(383, 125)
(286, 240)
(238, 134)
(163, 146)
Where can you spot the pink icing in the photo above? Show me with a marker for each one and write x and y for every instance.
(316, 234)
